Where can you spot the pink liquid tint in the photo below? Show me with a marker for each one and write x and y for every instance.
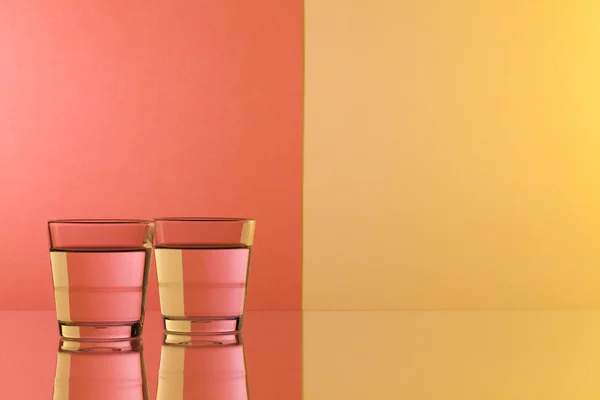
(105, 287)
(213, 281)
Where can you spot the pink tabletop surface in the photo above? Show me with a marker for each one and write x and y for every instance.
(272, 344)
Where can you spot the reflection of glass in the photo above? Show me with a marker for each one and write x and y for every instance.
(202, 367)
(202, 268)
(100, 370)
(100, 274)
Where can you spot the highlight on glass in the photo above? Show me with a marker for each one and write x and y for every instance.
(100, 275)
(202, 367)
(100, 370)
(202, 266)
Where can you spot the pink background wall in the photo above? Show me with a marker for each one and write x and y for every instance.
(139, 109)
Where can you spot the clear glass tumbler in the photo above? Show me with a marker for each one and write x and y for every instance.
(202, 267)
(100, 274)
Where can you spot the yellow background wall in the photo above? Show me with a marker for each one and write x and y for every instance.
(452, 154)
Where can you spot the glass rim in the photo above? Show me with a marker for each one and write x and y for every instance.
(99, 221)
(203, 219)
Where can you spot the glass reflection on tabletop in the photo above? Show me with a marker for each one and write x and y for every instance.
(100, 370)
(202, 367)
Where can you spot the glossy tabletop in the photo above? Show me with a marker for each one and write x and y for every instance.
(553, 354)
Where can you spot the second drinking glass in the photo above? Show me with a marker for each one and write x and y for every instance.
(202, 267)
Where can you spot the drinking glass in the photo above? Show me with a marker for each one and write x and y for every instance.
(202, 267)
(100, 274)
(100, 370)
(202, 367)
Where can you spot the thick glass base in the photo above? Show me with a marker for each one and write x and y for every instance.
(204, 325)
(76, 331)
(100, 346)
(204, 340)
